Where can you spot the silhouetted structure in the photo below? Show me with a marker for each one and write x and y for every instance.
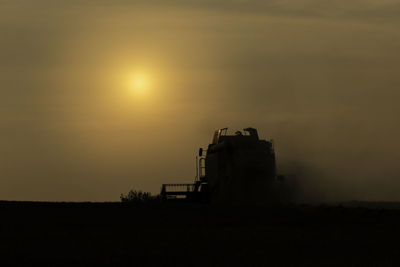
(236, 168)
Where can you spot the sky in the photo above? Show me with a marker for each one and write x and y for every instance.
(101, 97)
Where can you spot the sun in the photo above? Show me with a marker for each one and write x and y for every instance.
(139, 83)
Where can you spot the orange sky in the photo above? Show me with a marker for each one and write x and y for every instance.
(320, 78)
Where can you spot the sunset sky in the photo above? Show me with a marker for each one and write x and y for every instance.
(100, 97)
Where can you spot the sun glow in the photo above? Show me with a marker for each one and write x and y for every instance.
(139, 83)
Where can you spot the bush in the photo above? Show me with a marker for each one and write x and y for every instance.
(136, 197)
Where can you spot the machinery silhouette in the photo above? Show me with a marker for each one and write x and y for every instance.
(235, 169)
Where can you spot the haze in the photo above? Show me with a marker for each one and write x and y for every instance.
(319, 77)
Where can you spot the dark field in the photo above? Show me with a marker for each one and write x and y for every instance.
(117, 234)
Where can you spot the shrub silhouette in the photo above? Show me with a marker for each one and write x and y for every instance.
(136, 197)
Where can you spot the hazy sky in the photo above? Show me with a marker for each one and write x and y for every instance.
(319, 77)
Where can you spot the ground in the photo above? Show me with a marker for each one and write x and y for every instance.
(120, 234)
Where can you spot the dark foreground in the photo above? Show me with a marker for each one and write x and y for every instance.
(116, 234)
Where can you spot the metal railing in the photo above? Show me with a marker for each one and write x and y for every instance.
(177, 188)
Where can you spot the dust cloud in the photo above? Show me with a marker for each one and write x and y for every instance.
(319, 78)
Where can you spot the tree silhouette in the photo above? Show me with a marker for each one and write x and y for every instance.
(136, 197)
